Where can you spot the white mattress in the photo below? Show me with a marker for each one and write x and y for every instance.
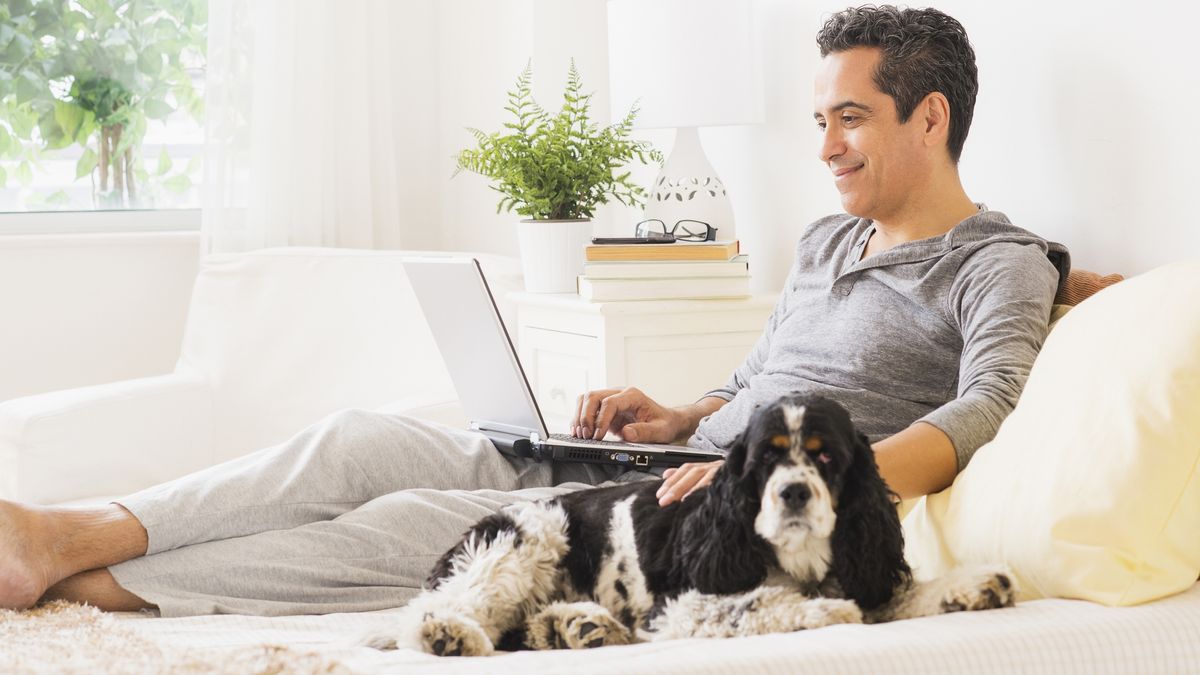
(1050, 636)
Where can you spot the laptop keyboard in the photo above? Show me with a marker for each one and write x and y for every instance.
(588, 441)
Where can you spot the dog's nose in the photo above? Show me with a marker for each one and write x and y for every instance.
(795, 496)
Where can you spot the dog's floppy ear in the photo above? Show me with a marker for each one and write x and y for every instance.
(868, 544)
(719, 550)
(735, 461)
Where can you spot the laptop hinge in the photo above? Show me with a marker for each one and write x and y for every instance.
(515, 445)
(485, 425)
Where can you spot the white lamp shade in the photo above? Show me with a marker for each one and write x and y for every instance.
(687, 63)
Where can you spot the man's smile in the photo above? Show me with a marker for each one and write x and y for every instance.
(844, 172)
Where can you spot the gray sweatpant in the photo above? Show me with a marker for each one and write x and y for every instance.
(349, 515)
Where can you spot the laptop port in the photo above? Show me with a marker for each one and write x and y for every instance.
(643, 460)
(622, 457)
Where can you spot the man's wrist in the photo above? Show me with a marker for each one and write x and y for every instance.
(687, 417)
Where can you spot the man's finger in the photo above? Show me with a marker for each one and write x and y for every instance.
(591, 405)
(577, 422)
(668, 482)
(704, 481)
(684, 483)
(610, 408)
(671, 477)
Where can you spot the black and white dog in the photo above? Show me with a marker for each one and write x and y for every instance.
(797, 530)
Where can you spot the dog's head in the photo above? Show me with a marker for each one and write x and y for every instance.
(821, 504)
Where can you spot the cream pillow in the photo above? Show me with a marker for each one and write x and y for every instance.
(1090, 489)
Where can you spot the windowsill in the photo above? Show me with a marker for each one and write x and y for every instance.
(100, 222)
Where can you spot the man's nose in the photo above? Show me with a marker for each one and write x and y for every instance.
(832, 144)
(795, 496)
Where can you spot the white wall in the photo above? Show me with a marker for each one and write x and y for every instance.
(1084, 131)
(482, 46)
(77, 310)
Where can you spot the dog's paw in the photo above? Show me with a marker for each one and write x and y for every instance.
(382, 641)
(445, 634)
(576, 625)
(988, 589)
(820, 612)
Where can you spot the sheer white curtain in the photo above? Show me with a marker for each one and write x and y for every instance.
(306, 134)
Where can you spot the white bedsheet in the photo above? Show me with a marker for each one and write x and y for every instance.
(1043, 636)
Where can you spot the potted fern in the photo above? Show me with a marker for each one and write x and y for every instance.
(555, 169)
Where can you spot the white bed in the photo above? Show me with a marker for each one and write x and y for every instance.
(1042, 636)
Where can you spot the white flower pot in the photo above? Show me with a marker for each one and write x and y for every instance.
(552, 253)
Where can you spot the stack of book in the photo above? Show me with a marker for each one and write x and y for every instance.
(680, 270)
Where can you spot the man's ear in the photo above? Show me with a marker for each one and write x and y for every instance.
(934, 112)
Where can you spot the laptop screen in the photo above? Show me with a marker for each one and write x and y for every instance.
(477, 350)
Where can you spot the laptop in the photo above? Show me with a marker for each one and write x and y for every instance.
(492, 388)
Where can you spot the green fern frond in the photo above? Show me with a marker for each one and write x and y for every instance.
(559, 165)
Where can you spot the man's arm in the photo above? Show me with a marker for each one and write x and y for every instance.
(1001, 300)
(917, 461)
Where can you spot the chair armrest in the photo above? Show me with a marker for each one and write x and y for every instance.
(108, 439)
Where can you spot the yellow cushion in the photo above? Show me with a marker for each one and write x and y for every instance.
(1090, 489)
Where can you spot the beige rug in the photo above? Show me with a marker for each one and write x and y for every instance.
(63, 637)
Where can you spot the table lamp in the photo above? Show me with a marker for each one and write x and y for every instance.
(686, 64)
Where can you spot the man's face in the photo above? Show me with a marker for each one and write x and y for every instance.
(878, 164)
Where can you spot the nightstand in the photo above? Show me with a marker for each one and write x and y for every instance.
(674, 350)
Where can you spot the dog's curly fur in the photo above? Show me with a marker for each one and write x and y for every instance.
(796, 531)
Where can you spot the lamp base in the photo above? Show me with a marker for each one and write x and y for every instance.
(688, 188)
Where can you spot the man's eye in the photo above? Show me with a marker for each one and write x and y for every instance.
(821, 126)
(849, 119)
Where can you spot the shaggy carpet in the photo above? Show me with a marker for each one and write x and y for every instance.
(63, 637)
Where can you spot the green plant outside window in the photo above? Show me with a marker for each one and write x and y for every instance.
(92, 73)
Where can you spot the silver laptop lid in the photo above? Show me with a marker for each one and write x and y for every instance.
(475, 345)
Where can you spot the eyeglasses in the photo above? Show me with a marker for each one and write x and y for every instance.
(683, 230)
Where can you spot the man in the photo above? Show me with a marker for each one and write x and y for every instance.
(894, 120)
(921, 312)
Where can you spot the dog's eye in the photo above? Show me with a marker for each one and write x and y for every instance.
(769, 453)
(815, 447)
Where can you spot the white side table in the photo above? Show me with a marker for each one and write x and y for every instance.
(674, 350)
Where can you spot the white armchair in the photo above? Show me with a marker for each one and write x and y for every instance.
(275, 340)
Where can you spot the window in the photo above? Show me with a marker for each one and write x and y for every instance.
(101, 104)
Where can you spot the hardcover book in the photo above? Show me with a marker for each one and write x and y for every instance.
(708, 250)
(738, 266)
(601, 290)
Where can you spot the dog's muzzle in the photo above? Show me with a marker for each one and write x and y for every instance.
(795, 496)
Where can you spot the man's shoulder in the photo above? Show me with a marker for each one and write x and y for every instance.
(990, 241)
(1018, 266)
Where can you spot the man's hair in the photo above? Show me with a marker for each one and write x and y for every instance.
(924, 51)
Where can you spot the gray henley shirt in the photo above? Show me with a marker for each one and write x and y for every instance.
(941, 330)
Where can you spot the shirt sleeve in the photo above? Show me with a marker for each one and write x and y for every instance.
(1001, 300)
(762, 348)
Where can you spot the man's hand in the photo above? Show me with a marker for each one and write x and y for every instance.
(628, 412)
(683, 481)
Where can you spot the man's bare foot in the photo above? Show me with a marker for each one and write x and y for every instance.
(26, 549)
(97, 588)
(41, 546)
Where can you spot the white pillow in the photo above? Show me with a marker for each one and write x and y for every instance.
(1091, 488)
